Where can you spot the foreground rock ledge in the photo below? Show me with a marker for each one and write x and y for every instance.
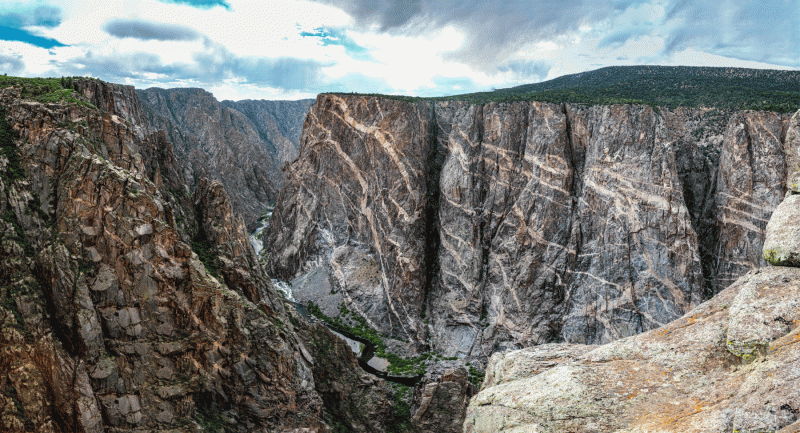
(731, 364)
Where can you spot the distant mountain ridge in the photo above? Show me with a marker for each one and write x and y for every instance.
(242, 144)
(278, 123)
(728, 89)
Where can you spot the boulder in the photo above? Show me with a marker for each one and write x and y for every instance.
(782, 241)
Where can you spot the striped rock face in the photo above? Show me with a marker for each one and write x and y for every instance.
(725, 366)
(478, 228)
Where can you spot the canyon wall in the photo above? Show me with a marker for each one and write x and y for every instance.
(128, 304)
(477, 228)
(727, 365)
(244, 150)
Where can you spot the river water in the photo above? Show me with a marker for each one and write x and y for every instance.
(263, 223)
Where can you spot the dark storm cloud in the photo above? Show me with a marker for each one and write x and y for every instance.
(743, 29)
(493, 29)
(146, 30)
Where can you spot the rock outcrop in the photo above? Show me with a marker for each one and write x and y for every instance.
(505, 225)
(728, 365)
(725, 366)
(214, 140)
(356, 198)
(111, 318)
(441, 398)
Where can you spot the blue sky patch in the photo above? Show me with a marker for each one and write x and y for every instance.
(44, 16)
(201, 4)
(333, 36)
(14, 34)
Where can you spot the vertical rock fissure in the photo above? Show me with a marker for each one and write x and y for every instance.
(576, 160)
(431, 251)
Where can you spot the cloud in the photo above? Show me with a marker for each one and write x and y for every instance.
(620, 37)
(115, 68)
(146, 30)
(44, 16)
(47, 16)
(494, 30)
(744, 29)
(16, 34)
(216, 63)
(209, 65)
(13, 26)
(530, 70)
(11, 64)
(200, 4)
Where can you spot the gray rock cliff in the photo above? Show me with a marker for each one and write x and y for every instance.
(214, 140)
(477, 228)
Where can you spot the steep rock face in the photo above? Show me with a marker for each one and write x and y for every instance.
(441, 399)
(279, 124)
(109, 320)
(749, 186)
(724, 366)
(229, 239)
(354, 208)
(541, 222)
(554, 224)
(215, 142)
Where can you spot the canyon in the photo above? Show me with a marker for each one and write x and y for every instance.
(471, 229)
(601, 264)
(241, 144)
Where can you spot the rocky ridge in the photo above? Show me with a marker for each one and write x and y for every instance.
(125, 303)
(727, 365)
(279, 124)
(243, 150)
(476, 228)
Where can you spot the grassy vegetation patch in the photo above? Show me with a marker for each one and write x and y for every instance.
(357, 325)
(206, 251)
(475, 377)
(47, 90)
(8, 149)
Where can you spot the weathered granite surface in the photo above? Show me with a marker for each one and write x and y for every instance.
(725, 366)
(782, 243)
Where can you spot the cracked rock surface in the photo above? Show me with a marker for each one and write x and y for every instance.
(111, 318)
(506, 225)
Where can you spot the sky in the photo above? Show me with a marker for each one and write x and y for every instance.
(293, 49)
